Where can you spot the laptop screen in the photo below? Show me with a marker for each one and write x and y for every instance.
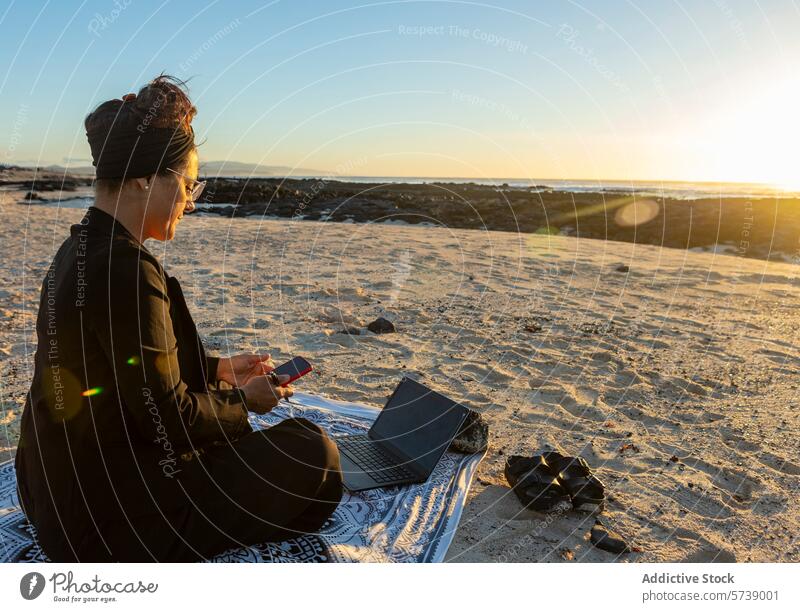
(418, 423)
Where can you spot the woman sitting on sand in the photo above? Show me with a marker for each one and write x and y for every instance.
(132, 445)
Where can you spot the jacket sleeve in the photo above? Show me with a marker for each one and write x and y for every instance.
(134, 328)
(211, 369)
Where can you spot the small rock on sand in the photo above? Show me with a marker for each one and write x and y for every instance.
(381, 326)
(607, 540)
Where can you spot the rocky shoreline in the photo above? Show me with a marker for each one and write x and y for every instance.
(20, 178)
(765, 228)
(757, 228)
(35, 186)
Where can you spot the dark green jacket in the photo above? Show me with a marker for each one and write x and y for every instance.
(121, 389)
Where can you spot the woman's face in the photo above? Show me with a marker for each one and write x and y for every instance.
(168, 198)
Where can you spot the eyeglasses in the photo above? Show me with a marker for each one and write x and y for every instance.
(196, 186)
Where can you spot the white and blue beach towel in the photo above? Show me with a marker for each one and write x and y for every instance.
(414, 523)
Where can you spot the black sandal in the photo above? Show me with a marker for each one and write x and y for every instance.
(533, 482)
(574, 474)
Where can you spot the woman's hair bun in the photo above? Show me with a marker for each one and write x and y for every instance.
(142, 134)
(162, 103)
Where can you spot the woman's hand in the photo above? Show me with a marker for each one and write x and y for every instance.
(240, 369)
(261, 395)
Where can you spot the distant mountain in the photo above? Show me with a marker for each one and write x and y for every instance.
(211, 168)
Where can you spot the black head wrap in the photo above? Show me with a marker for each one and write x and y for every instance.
(132, 151)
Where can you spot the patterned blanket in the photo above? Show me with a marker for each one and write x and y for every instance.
(414, 523)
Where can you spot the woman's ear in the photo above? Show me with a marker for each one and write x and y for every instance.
(143, 183)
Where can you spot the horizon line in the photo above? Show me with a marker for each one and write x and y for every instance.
(324, 174)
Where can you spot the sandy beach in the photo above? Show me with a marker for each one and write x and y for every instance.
(673, 372)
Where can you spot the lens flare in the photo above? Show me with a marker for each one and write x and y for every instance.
(92, 392)
(628, 211)
(636, 213)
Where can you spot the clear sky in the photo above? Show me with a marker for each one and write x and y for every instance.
(608, 89)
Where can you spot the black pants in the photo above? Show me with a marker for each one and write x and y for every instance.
(269, 485)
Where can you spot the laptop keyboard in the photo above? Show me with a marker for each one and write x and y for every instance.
(369, 457)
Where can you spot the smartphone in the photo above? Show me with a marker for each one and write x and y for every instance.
(295, 368)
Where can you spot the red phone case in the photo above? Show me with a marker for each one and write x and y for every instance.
(296, 376)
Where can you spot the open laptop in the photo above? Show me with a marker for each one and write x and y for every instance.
(406, 441)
